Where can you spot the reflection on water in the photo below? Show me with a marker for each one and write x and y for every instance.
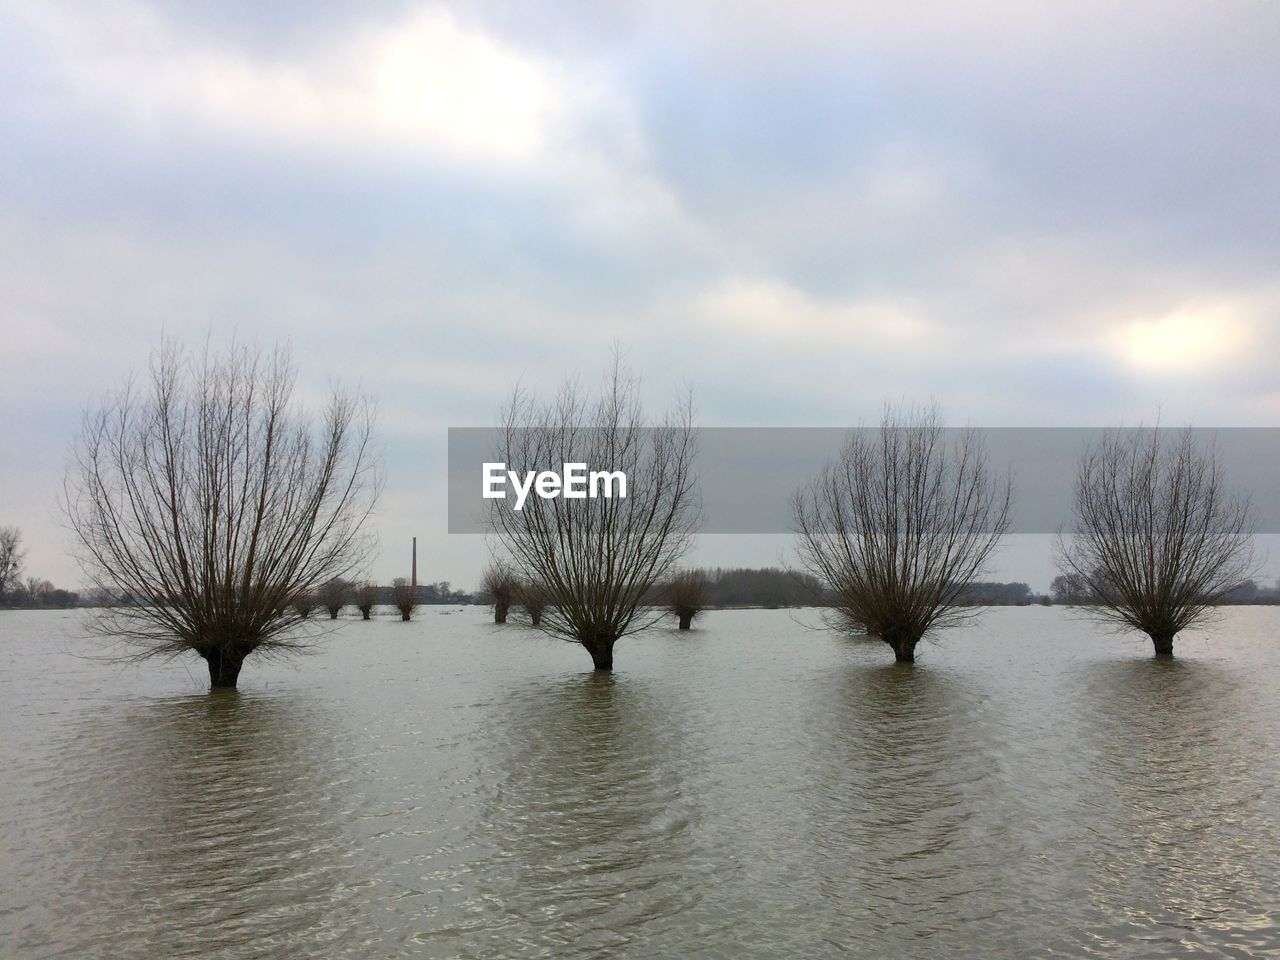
(1177, 808)
(197, 825)
(590, 819)
(755, 790)
(901, 852)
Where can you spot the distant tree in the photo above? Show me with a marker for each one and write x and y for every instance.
(502, 585)
(303, 603)
(1158, 539)
(1070, 589)
(599, 556)
(37, 590)
(993, 594)
(366, 599)
(900, 524)
(11, 555)
(334, 595)
(686, 595)
(404, 595)
(1244, 592)
(533, 597)
(210, 503)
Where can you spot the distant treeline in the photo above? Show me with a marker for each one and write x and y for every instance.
(768, 587)
(431, 593)
(1071, 590)
(778, 587)
(17, 591)
(765, 587)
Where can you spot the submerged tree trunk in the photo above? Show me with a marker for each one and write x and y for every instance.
(686, 620)
(500, 613)
(903, 643)
(1163, 642)
(601, 650)
(224, 668)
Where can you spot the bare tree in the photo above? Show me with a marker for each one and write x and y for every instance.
(900, 524)
(599, 556)
(501, 585)
(37, 590)
(533, 597)
(211, 504)
(685, 596)
(1158, 539)
(366, 599)
(404, 596)
(333, 595)
(304, 603)
(11, 554)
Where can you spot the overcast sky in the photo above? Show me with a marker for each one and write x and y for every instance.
(1038, 214)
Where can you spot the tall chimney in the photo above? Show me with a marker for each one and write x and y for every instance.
(415, 561)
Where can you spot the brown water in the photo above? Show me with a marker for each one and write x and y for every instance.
(1032, 787)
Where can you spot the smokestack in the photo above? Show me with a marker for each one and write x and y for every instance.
(415, 561)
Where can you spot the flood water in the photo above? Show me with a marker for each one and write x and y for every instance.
(1033, 786)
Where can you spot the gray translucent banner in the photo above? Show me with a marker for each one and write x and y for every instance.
(747, 475)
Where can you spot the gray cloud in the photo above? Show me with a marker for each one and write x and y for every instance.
(1038, 215)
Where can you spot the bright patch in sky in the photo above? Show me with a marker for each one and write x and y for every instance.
(1193, 338)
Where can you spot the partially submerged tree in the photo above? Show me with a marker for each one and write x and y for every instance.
(366, 599)
(599, 556)
(11, 554)
(404, 596)
(900, 524)
(685, 596)
(533, 597)
(334, 595)
(304, 603)
(210, 504)
(502, 586)
(1158, 538)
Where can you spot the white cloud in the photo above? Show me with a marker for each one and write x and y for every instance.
(769, 309)
(424, 82)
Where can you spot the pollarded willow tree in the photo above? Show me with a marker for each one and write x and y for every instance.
(598, 556)
(213, 505)
(1158, 538)
(685, 596)
(900, 524)
(533, 598)
(501, 584)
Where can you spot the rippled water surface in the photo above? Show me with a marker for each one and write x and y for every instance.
(1033, 786)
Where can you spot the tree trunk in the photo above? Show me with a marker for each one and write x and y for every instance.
(500, 613)
(535, 619)
(903, 644)
(686, 620)
(333, 614)
(224, 668)
(364, 614)
(601, 650)
(1163, 642)
(405, 615)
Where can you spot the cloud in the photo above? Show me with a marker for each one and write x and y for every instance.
(1037, 215)
(425, 81)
